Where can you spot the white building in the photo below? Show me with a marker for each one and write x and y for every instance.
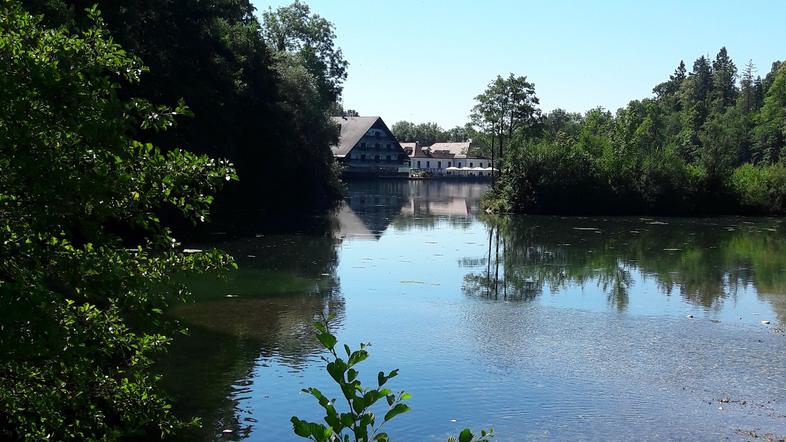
(448, 159)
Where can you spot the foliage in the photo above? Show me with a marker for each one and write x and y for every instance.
(508, 105)
(293, 29)
(86, 267)
(428, 133)
(761, 189)
(264, 109)
(359, 422)
(703, 144)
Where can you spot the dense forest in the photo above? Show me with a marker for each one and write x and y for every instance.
(710, 140)
(260, 92)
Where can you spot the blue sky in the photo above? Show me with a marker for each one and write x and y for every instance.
(422, 60)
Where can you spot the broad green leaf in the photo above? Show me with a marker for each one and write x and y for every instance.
(396, 410)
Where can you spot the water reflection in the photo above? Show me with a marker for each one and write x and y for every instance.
(262, 311)
(370, 207)
(705, 262)
(420, 258)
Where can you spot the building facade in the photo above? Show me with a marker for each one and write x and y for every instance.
(367, 147)
(449, 159)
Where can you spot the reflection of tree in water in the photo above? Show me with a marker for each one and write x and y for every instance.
(265, 310)
(705, 262)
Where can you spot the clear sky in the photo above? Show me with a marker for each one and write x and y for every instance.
(425, 60)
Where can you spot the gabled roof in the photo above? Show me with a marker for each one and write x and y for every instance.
(352, 130)
(409, 147)
(459, 150)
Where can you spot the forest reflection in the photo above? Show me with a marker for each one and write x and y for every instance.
(704, 261)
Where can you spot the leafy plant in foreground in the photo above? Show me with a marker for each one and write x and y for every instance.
(86, 266)
(358, 423)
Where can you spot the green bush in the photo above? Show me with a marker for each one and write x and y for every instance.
(86, 266)
(760, 188)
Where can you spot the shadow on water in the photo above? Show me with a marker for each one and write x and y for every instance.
(263, 310)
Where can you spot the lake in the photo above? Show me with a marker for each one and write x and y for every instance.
(544, 328)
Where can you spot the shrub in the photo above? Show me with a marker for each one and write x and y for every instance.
(86, 267)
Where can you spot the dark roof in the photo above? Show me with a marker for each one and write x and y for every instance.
(352, 130)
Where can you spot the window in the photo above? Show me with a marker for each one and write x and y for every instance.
(439, 164)
(470, 165)
(428, 165)
(448, 163)
(459, 164)
(418, 164)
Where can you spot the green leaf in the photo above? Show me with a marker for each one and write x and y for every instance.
(357, 357)
(466, 435)
(336, 369)
(327, 340)
(396, 410)
(358, 404)
(301, 428)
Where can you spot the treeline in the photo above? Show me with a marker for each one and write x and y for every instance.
(710, 140)
(260, 93)
(428, 133)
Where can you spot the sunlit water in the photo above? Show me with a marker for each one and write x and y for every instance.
(540, 327)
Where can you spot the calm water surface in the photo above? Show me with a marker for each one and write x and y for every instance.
(540, 327)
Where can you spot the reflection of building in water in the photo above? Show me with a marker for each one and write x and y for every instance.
(350, 225)
(451, 207)
(367, 211)
(370, 207)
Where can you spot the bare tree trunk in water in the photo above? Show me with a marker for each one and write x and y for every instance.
(488, 264)
(504, 271)
(496, 270)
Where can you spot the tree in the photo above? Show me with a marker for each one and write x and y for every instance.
(670, 88)
(424, 133)
(750, 95)
(457, 134)
(86, 267)
(560, 124)
(212, 55)
(293, 29)
(506, 106)
(403, 130)
(724, 79)
(695, 103)
(770, 131)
